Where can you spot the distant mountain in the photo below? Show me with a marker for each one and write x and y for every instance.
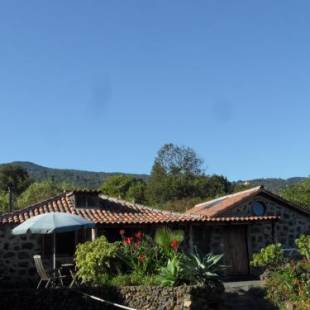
(80, 178)
(91, 179)
(274, 184)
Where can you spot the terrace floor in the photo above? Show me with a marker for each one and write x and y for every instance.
(245, 295)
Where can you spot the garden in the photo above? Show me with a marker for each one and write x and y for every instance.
(287, 275)
(154, 272)
(141, 260)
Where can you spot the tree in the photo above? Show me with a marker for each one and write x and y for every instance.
(125, 187)
(174, 173)
(14, 177)
(179, 160)
(298, 193)
(4, 202)
(211, 186)
(178, 181)
(37, 192)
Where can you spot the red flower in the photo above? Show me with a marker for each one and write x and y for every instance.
(141, 257)
(139, 234)
(122, 232)
(127, 241)
(174, 244)
(138, 244)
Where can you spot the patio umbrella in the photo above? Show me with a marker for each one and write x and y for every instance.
(52, 223)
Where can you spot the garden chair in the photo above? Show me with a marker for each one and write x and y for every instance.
(49, 278)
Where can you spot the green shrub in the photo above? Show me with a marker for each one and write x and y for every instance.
(97, 260)
(303, 244)
(202, 269)
(290, 283)
(270, 257)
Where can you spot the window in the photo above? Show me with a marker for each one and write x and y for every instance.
(258, 208)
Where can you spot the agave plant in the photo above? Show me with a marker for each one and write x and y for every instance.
(170, 275)
(201, 269)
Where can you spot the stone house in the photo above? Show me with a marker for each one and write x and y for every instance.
(261, 218)
(236, 225)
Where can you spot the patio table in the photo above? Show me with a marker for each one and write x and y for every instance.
(69, 267)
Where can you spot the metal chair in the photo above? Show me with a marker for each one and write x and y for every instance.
(49, 278)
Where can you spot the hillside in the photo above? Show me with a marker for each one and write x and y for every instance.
(80, 178)
(274, 184)
(91, 179)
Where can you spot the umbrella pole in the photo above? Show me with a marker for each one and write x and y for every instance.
(54, 251)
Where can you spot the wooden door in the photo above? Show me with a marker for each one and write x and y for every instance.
(236, 251)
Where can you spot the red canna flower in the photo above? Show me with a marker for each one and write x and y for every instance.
(127, 241)
(139, 234)
(138, 244)
(141, 257)
(174, 244)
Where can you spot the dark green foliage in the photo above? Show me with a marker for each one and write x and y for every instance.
(4, 202)
(39, 191)
(298, 193)
(290, 283)
(269, 257)
(179, 160)
(288, 279)
(303, 245)
(15, 177)
(177, 174)
(125, 187)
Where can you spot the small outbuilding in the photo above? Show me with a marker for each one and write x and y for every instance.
(254, 219)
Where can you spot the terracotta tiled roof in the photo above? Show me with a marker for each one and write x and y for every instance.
(115, 211)
(110, 211)
(216, 207)
(242, 219)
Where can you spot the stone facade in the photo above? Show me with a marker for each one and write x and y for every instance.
(291, 225)
(16, 255)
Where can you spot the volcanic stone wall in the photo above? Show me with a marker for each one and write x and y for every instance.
(291, 225)
(16, 255)
(137, 297)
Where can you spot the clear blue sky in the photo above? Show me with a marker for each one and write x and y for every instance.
(101, 85)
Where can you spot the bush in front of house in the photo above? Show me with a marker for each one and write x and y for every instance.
(140, 260)
(97, 260)
(290, 284)
(303, 245)
(288, 280)
(270, 257)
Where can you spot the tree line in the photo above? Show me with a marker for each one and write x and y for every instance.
(177, 182)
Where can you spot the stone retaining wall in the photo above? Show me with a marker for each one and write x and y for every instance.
(176, 298)
(137, 297)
